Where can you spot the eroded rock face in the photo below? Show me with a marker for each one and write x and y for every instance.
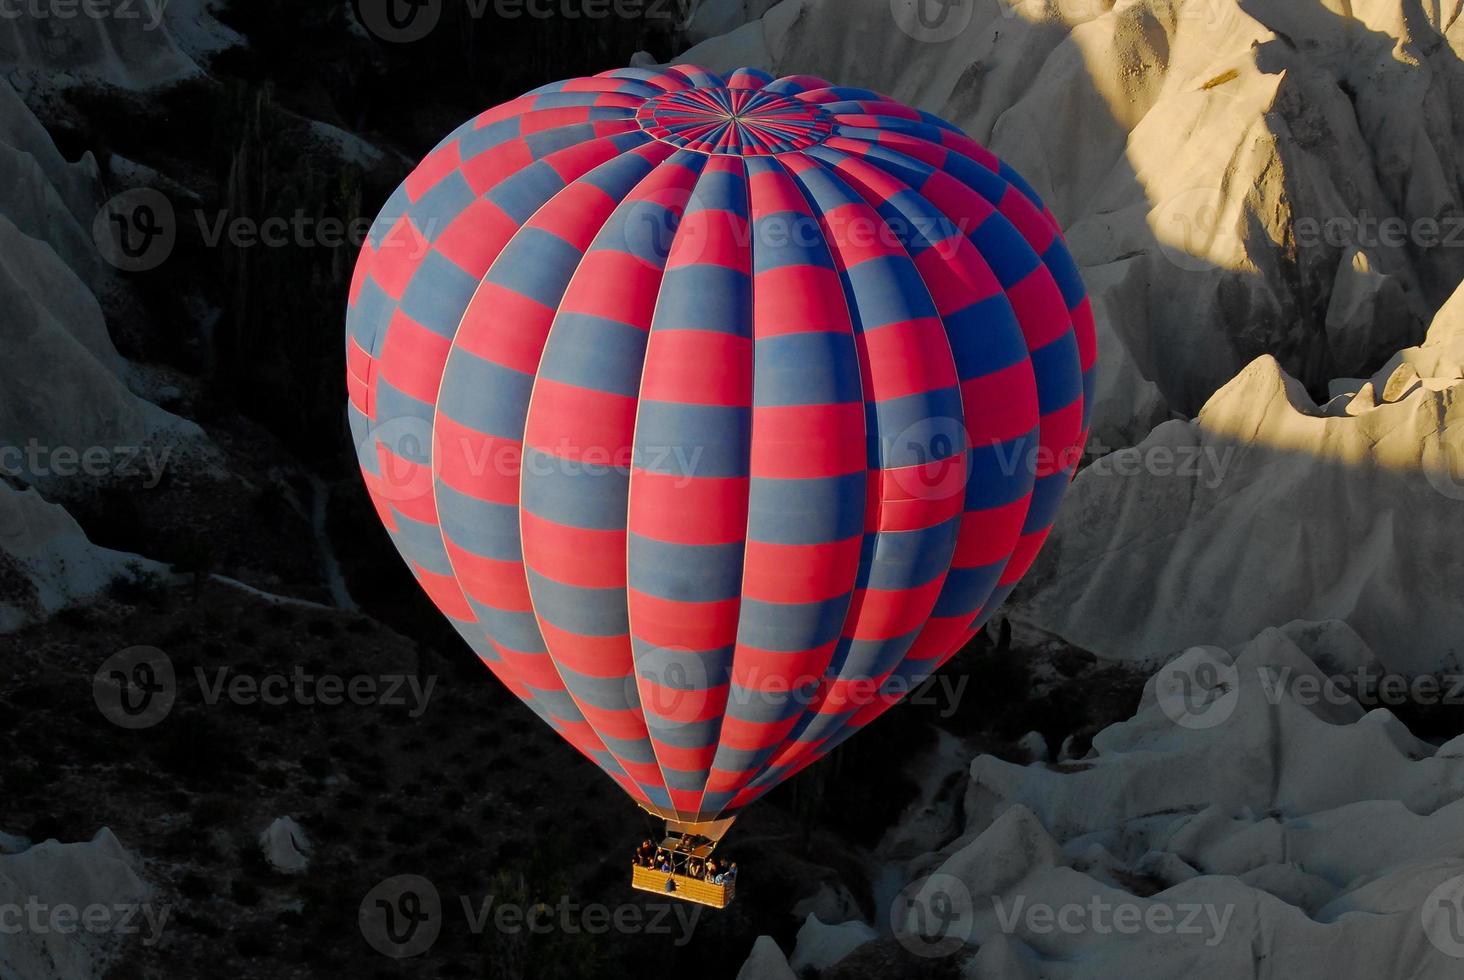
(1253, 809)
(136, 45)
(1210, 733)
(711, 18)
(66, 387)
(1235, 178)
(1268, 507)
(47, 563)
(286, 846)
(69, 417)
(1309, 831)
(766, 962)
(821, 945)
(44, 196)
(64, 381)
(49, 885)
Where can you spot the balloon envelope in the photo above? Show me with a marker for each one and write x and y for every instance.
(715, 412)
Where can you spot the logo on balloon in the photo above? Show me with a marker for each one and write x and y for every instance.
(928, 460)
(401, 917)
(135, 688)
(1199, 689)
(136, 230)
(399, 21)
(934, 916)
(671, 684)
(667, 225)
(933, 21)
(402, 449)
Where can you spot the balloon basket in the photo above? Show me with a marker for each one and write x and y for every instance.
(685, 848)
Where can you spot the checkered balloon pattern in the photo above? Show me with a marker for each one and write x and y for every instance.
(715, 413)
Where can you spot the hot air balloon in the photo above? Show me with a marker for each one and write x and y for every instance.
(714, 412)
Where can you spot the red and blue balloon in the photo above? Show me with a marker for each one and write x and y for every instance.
(715, 412)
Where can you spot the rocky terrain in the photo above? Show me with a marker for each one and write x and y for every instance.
(1215, 733)
(1270, 505)
(1195, 153)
